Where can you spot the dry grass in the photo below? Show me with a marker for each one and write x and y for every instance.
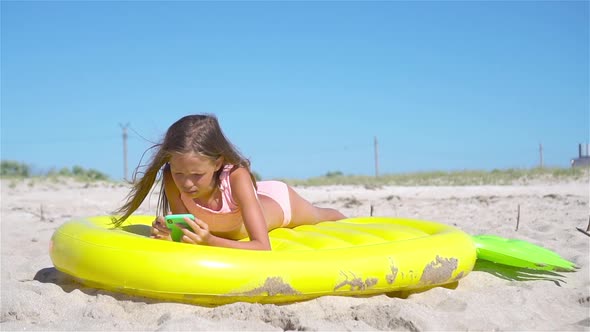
(455, 178)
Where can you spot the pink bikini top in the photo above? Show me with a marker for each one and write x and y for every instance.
(229, 218)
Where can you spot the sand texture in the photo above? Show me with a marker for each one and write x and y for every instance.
(35, 296)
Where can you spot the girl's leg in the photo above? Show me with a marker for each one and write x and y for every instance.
(305, 213)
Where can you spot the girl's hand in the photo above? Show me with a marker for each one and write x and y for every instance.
(200, 232)
(159, 230)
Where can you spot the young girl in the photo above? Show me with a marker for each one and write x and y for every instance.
(205, 175)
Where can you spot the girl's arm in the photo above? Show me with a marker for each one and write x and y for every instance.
(254, 221)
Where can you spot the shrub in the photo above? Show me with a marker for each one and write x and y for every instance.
(14, 168)
(17, 169)
(333, 174)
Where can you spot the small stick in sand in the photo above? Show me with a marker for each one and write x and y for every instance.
(517, 218)
(41, 214)
(587, 231)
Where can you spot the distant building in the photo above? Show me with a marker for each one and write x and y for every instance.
(583, 159)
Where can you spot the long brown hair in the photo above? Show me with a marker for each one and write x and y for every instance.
(199, 134)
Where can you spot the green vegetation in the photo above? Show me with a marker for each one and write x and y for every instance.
(455, 178)
(18, 170)
(15, 169)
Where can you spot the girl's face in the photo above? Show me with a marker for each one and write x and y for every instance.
(193, 174)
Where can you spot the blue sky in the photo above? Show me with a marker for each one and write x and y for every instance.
(302, 88)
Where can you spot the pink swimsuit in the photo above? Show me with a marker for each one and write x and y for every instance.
(229, 218)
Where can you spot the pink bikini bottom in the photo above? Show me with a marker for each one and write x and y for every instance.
(279, 192)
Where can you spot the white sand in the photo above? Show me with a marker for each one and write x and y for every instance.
(37, 297)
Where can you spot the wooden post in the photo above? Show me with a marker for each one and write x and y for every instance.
(124, 127)
(376, 158)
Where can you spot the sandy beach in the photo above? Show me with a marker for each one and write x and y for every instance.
(35, 296)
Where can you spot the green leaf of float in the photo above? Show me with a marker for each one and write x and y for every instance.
(519, 253)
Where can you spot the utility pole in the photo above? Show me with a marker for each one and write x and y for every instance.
(540, 155)
(376, 158)
(124, 127)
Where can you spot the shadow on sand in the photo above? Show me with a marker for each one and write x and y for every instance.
(51, 275)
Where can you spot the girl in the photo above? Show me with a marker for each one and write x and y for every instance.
(205, 175)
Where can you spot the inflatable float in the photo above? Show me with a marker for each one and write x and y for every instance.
(351, 257)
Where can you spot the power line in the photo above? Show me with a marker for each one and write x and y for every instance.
(140, 136)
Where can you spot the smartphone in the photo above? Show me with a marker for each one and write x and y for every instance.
(177, 219)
